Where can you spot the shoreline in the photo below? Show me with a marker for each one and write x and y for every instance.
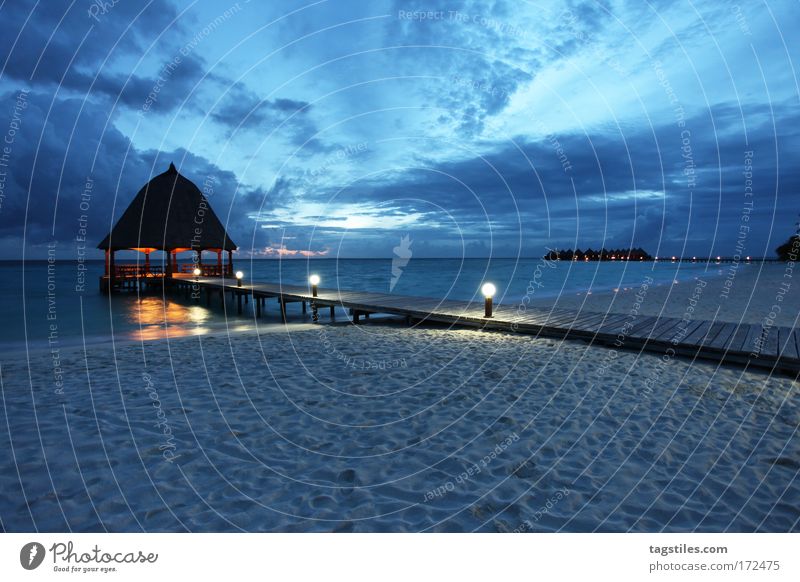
(752, 297)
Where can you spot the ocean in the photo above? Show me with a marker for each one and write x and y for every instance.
(61, 304)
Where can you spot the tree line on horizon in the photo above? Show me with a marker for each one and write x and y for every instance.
(788, 251)
(637, 254)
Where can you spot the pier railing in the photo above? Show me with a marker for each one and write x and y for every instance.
(135, 271)
(206, 270)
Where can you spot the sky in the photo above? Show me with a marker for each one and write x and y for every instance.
(496, 128)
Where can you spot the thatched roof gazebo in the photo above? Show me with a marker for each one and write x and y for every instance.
(169, 214)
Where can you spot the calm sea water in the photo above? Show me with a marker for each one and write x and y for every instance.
(39, 306)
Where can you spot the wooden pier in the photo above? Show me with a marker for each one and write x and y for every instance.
(771, 348)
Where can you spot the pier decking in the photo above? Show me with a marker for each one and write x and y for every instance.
(773, 348)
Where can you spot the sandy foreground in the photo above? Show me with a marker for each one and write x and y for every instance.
(388, 428)
(747, 294)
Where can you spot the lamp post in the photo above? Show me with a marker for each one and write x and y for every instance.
(488, 291)
(239, 276)
(314, 280)
(197, 272)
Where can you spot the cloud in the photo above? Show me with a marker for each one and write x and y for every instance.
(284, 252)
(243, 110)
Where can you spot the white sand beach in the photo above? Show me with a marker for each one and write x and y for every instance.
(386, 428)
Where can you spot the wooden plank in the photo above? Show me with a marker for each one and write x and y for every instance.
(786, 343)
(739, 336)
(753, 333)
(528, 320)
(662, 331)
(532, 315)
(563, 320)
(645, 331)
(554, 317)
(587, 323)
(698, 334)
(724, 336)
(612, 325)
(796, 334)
(645, 323)
(559, 316)
(606, 319)
(616, 327)
(713, 332)
(770, 347)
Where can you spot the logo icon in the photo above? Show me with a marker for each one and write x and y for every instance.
(402, 254)
(31, 555)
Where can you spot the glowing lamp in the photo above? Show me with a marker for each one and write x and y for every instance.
(196, 273)
(488, 291)
(239, 276)
(314, 280)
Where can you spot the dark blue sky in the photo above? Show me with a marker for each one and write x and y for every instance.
(334, 128)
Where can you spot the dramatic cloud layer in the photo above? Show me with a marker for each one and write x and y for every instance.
(474, 128)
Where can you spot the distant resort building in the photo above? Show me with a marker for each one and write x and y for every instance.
(169, 215)
(636, 254)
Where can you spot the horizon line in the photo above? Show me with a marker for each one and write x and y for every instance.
(654, 259)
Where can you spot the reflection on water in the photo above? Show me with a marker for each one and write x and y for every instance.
(152, 318)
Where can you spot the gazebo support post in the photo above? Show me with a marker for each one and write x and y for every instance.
(111, 270)
(230, 263)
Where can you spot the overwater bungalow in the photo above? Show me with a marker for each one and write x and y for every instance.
(170, 215)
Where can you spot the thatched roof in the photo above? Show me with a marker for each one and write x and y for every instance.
(165, 214)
